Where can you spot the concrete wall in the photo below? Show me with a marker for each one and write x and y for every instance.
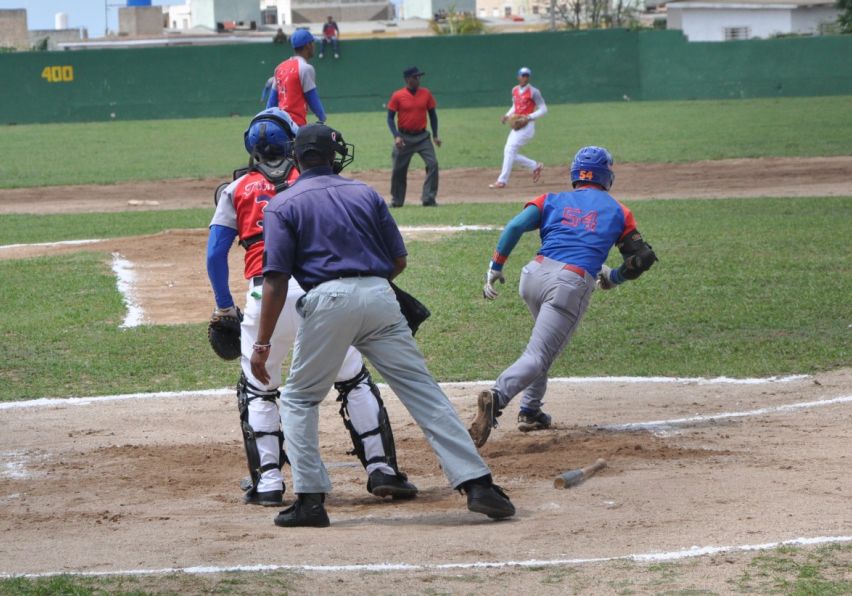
(808, 20)
(13, 29)
(140, 20)
(317, 12)
(56, 36)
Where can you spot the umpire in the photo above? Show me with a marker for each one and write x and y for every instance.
(409, 106)
(336, 237)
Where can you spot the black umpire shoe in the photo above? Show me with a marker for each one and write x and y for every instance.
(307, 511)
(390, 485)
(266, 498)
(483, 496)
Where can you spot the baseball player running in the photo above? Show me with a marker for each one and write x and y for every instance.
(239, 212)
(578, 229)
(295, 82)
(527, 107)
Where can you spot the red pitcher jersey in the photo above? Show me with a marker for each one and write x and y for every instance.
(293, 78)
(241, 206)
(580, 227)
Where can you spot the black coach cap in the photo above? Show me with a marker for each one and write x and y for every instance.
(412, 71)
(316, 137)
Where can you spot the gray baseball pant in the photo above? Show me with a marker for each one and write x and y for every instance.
(557, 298)
(363, 312)
(401, 158)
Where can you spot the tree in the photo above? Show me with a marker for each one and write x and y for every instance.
(845, 18)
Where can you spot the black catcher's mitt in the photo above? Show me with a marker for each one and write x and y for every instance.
(414, 311)
(223, 333)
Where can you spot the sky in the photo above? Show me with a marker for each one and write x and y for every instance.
(81, 13)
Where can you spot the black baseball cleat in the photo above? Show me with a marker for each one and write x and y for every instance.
(530, 420)
(391, 485)
(487, 412)
(308, 511)
(267, 498)
(488, 499)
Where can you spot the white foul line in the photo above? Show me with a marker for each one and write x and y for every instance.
(695, 551)
(58, 243)
(86, 401)
(124, 278)
(661, 424)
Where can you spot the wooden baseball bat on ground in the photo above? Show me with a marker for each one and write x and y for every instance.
(575, 477)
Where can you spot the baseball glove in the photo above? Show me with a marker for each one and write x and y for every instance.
(414, 311)
(223, 332)
(518, 122)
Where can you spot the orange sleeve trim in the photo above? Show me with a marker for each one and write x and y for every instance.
(538, 202)
(499, 259)
(629, 221)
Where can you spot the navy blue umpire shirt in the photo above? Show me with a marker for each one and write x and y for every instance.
(325, 227)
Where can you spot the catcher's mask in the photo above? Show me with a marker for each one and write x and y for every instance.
(327, 142)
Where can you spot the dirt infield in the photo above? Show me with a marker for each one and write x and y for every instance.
(767, 177)
(152, 483)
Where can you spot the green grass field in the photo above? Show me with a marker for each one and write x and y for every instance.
(743, 287)
(670, 131)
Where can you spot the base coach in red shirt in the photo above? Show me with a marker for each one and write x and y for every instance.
(409, 106)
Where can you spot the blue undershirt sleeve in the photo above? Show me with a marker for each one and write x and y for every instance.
(526, 221)
(218, 245)
(315, 104)
(433, 121)
(272, 102)
(391, 124)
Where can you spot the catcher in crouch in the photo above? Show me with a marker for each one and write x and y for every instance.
(239, 212)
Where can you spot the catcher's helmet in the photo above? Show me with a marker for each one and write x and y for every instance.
(592, 165)
(270, 135)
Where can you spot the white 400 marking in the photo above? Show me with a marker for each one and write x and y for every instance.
(58, 74)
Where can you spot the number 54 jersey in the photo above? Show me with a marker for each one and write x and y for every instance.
(580, 227)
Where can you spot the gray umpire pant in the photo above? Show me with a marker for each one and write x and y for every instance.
(363, 312)
(557, 298)
(401, 158)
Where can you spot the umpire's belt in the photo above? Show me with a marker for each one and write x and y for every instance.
(257, 280)
(412, 132)
(573, 268)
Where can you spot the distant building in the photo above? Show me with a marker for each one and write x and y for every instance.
(51, 38)
(427, 9)
(13, 29)
(725, 20)
(493, 9)
(140, 20)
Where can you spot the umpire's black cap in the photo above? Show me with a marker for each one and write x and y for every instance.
(412, 71)
(317, 137)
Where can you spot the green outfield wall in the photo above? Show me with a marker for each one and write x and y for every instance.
(579, 66)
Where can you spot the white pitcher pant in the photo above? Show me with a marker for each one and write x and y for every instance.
(514, 142)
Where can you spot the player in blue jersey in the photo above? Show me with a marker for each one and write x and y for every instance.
(578, 229)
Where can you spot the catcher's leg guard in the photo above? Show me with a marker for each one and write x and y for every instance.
(246, 392)
(344, 388)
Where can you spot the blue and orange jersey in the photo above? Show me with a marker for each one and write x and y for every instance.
(580, 227)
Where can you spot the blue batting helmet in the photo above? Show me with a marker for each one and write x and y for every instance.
(270, 134)
(592, 165)
(524, 72)
(301, 38)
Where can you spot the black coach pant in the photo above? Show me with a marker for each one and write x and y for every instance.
(422, 145)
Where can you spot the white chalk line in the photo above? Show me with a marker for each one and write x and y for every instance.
(692, 552)
(125, 276)
(699, 419)
(224, 391)
(458, 228)
(50, 244)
